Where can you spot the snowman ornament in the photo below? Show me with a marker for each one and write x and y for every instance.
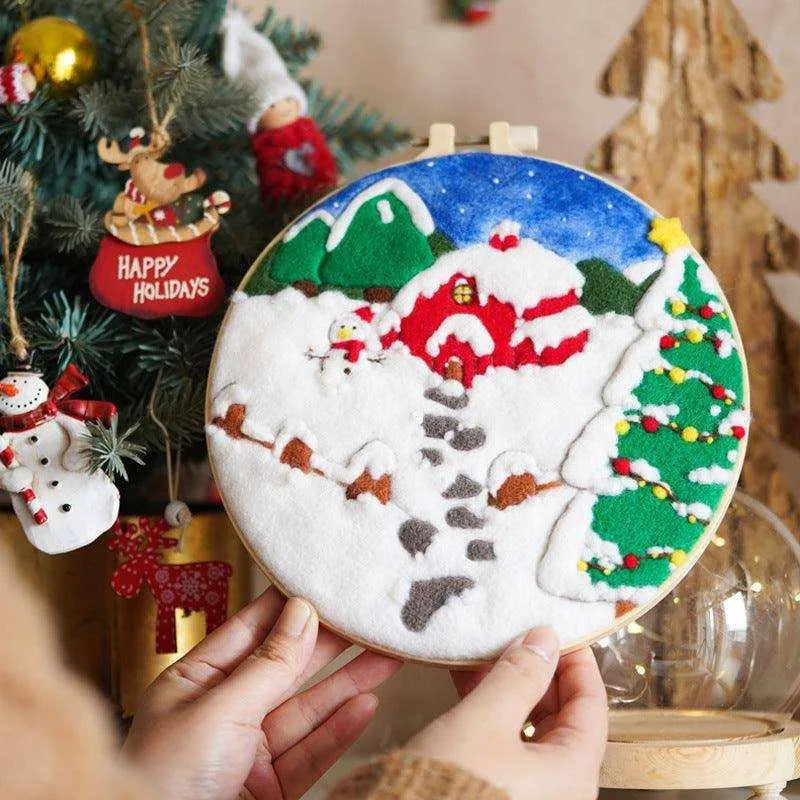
(43, 464)
(352, 334)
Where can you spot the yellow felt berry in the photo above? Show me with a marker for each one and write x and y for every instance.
(659, 370)
(695, 335)
(728, 401)
(677, 307)
(642, 484)
(677, 375)
(583, 566)
(607, 571)
(690, 434)
(710, 440)
(660, 492)
(677, 557)
(622, 427)
(673, 425)
(692, 518)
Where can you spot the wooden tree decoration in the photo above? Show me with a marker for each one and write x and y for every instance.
(690, 149)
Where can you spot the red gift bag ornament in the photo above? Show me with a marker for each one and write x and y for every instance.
(157, 259)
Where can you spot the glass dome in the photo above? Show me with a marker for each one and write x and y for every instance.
(728, 637)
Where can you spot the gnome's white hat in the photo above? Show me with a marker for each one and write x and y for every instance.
(250, 56)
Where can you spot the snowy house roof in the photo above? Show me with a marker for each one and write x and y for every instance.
(420, 215)
(523, 275)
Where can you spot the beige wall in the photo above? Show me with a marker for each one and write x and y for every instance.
(536, 61)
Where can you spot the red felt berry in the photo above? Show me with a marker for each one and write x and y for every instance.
(622, 466)
(667, 342)
(650, 424)
(717, 343)
(738, 431)
(630, 561)
(706, 312)
(479, 11)
(718, 392)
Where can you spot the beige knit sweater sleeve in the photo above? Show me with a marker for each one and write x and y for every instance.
(406, 776)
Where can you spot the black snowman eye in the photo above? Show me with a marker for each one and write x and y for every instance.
(54, 483)
(347, 370)
(33, 439)
(66, 507)
(44, 461)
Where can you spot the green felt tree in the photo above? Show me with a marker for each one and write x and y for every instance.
(52, 140)
(678, 435)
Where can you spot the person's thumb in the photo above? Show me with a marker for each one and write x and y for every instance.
(515, 684)
(272, 672)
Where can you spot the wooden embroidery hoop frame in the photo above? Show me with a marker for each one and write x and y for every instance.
(519, 140)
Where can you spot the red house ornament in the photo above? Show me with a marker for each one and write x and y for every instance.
(157, 259)
(477, 308)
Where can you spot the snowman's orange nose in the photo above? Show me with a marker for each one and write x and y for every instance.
(8, 389)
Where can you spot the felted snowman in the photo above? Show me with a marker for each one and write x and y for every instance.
(43, 463)
(351, 334)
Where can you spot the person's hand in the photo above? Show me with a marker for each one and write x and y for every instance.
(482, 733)
(225, 721)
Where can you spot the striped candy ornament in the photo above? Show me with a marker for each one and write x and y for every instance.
(9, 460)
(17, 83)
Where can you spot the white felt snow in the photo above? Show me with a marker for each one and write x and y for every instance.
(522, 275)
(551, 330)
(345, 555)
(642, 270)
(514, 462)
(466, 328)
(712, 474)
(321, 214)
(420, 215)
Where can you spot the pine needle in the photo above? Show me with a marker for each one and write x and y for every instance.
(106, 448)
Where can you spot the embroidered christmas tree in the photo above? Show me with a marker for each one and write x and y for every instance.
(689, 147)
(654, 463)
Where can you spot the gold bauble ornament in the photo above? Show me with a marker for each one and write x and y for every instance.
(56, 50)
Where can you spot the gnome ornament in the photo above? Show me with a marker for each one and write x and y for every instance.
(292, 157)
(43, 463)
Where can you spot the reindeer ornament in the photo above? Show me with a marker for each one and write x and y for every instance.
(201, 586)
(157, 259)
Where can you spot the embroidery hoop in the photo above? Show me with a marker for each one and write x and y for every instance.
(505, 139)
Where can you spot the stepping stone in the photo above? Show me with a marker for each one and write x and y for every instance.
(462, 517)
(416, 535)
(463, 486)
(455, 402)
(481, 550)
(437, 425)
(427, 597)
(468, 439)
(434, 456)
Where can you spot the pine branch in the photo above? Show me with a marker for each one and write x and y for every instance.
(13, 199)
(354, 132)
(108, 109)
(182, 411)
(297, 44)
(67, 332)
(106, 448)
(74, 228)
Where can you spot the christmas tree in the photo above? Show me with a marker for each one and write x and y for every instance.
(50, 143)
(669, 435)
(690, 149)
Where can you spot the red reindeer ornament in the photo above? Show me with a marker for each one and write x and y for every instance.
(201, 586)
(157, 260)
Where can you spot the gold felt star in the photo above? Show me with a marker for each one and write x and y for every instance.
(668, 233)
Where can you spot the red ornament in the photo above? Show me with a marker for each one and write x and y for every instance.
(650, 424)
(706, 312)
(479, 11)
(294, 162)
(717, 392)
(202, 586)
(622, 466)
(630, 561)
(738, 431)
(667, 342)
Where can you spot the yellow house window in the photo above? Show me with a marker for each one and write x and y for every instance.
(463, 293)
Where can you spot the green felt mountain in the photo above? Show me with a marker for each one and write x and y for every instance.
(608, 290)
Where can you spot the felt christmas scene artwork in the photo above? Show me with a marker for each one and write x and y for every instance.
(471, 394)
(157, 259)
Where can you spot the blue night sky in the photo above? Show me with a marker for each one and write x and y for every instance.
(573, 213)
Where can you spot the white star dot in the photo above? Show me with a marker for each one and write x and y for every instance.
(495, 180)
(336, 205)
(444, 191)
(609, 205)
(462, 210)
(530, 173)
(529, 196)
(430, 163)
(582, 177)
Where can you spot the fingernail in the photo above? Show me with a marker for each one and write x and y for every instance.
(294, 617)
(543, 642)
